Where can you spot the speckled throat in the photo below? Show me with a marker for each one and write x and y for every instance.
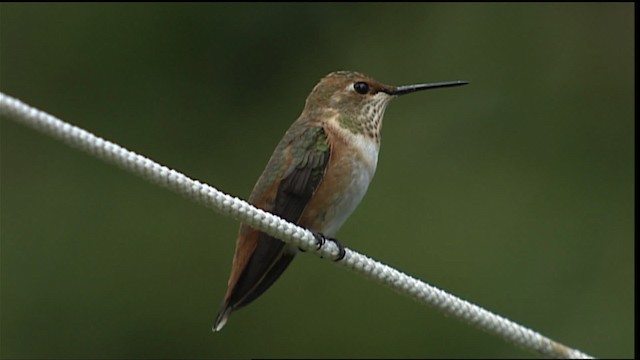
(367, 119)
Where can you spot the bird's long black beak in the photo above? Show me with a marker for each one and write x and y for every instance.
(406, 89)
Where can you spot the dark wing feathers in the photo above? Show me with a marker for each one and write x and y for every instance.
(269, 259)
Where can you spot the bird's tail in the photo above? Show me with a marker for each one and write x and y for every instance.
(222, 317)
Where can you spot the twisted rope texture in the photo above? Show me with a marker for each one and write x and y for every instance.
(281, 229)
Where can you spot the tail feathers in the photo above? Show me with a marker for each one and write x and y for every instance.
(222, 317)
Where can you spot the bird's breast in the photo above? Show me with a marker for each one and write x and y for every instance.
(351, 167)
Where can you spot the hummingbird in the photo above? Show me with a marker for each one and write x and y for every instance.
(316, 176)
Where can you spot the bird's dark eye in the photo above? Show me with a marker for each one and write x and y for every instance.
(361, 87)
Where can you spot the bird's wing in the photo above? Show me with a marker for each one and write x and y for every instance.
(260, 259)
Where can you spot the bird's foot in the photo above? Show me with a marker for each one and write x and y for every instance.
(321, 239)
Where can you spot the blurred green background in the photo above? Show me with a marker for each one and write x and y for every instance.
(515, 192)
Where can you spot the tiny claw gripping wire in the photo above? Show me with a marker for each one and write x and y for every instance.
(321, 240)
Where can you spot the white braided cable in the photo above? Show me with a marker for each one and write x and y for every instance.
(281, 229)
